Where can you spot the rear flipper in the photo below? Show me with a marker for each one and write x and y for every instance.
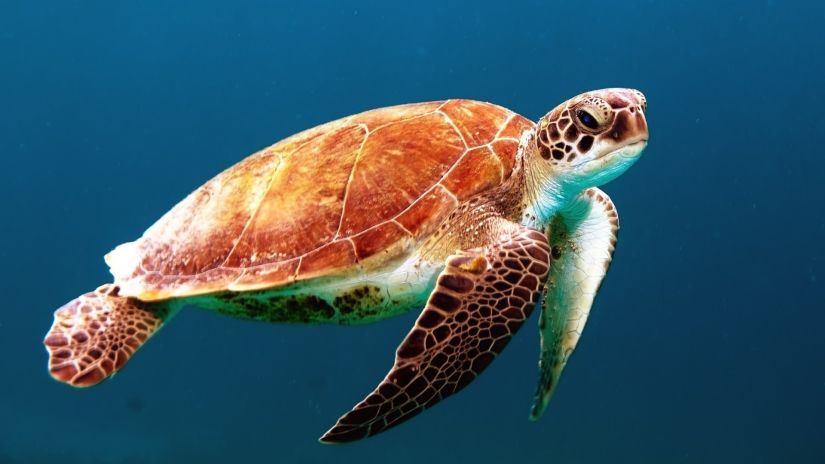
(94, 335)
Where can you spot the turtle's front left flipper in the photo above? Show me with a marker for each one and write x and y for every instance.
(480, 300)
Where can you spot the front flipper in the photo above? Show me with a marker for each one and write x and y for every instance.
(479, 302)
(582, 240)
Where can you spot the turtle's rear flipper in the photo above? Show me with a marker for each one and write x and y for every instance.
(481, 299)
(94, 335)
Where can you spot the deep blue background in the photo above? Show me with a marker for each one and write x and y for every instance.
(706, 343)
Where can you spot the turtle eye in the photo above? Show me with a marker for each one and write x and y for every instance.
(587, 119)
(593, 115)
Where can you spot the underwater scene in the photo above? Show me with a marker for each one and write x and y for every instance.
(320, 294)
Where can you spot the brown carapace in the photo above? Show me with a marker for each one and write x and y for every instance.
(464, 208)
(325, 200)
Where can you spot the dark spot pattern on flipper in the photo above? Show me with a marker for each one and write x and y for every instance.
(457, 335)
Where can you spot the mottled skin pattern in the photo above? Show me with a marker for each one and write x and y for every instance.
(560, 139)
(449, 206)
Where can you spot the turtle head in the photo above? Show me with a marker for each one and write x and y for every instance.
(588, 141)
(594, 137)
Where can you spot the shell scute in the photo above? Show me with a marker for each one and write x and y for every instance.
(377, 118)
(197, 235)
(377, 239)
(259, 277)
(515, 127)
(506, 151)
(478, 122)
(305, 193)
(339, 253)
(478, 170)
(397, 164)
(437, 202)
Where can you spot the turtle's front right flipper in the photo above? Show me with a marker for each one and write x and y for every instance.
(479, 302)
(583, 238)
(94, 335)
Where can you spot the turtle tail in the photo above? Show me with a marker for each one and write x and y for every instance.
(94, 335)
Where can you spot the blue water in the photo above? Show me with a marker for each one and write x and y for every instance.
(706, 343)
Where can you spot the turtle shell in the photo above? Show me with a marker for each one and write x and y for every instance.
(344, 195)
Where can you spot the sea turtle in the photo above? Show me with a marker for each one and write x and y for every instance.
(463, 208)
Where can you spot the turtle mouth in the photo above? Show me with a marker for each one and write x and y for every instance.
(632, 150)
(629, 150)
